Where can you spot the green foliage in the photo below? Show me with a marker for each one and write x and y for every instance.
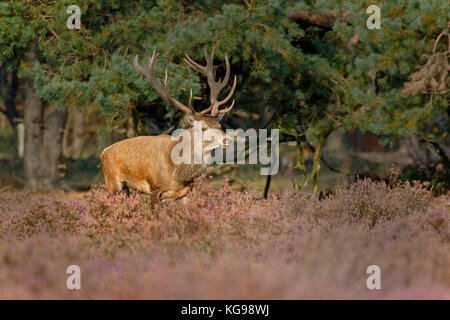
(308, 75)
(383, 60)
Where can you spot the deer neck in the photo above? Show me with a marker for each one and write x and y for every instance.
(187, 172)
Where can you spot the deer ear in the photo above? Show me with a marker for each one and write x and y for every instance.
(220, 117)
(189, 119)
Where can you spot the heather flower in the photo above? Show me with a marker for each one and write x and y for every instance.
(227, 244)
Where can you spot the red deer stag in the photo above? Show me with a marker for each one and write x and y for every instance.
(145, 164)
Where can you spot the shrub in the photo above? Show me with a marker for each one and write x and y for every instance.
(227, 244)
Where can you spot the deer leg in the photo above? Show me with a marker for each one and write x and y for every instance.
(113, 184)
(155, 196)
(125, 188)
(173, 195)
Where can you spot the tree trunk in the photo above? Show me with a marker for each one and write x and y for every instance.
(131, 128)
(51, 152)
(73, 138)
(267, 187)
(416, 153)
(20, 139)
(33, 109)
(43, 141)
(78, 134)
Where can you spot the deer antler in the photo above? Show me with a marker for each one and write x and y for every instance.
(147, 71)
(215, 86)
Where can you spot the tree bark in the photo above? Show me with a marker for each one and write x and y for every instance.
(51, 151)
(267, 187)
(73, 138)
(78, 134)
(131, 128)
(43, 141)
(415, 151)
(33, 110)
(20, 139)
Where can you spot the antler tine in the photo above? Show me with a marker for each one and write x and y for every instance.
(163, 92)
(214, 86)
(204, 112)
(227, 109)
(230, 94)
(187, 109)
(194, 65)
(190, 100)
(209, 58)
(227, 73)
(219, 111)
(146, 72)
(215, 107)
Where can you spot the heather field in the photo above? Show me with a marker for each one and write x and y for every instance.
(227, 244)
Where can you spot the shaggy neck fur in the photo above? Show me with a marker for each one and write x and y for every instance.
(188, 172)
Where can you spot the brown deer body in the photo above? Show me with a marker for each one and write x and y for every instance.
(145, 163)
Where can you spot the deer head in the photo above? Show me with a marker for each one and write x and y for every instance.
(214, 136)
